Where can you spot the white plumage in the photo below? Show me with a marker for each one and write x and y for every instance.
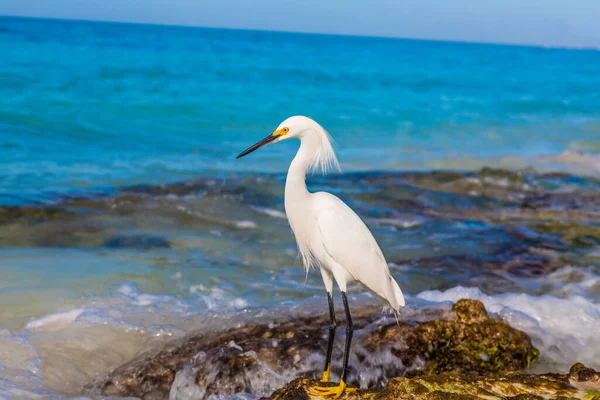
(328, 233)
(350, 252)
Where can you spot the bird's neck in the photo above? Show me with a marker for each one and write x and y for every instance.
(295, 184)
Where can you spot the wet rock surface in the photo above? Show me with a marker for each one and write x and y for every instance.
(473, 343)
(580, 383)
(259, 359)
(31, 215)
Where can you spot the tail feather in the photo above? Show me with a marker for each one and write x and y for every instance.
(388, 291)
(395, 298)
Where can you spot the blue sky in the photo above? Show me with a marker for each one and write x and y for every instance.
(540, 22)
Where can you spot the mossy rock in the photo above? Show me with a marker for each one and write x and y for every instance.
(511, 176)
(452, 343)
(472, 343)
(579, 235)
(580, 383)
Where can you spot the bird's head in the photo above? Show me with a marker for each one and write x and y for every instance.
(317, 140)
(293, 127)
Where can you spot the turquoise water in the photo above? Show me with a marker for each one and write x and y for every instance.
(94, 105)
(125, 219)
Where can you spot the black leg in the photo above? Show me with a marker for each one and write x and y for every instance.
(349, 331)
(332, 327)
(334, 392)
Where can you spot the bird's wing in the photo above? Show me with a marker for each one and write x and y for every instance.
(347, 239)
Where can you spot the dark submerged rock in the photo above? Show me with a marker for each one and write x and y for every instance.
(13, 214)
(534, 223)
(137, 241)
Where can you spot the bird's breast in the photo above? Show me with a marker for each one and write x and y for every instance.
(301, 220)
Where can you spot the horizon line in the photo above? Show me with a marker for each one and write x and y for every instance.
(385, 37)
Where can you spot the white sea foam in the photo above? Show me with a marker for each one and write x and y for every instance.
(570, 281)
(399, 222)
(55, 321)
(246, 224)
(271, 212)
(215, 297)
(75, 346)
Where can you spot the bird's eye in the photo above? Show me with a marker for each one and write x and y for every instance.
(286, 129)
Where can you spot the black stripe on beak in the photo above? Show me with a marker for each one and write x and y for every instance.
(257, 146)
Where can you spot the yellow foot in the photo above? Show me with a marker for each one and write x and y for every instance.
(325, 377)
(330, 392)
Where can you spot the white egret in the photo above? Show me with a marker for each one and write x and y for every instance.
(329, 234)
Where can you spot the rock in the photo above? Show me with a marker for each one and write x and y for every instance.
(470, 312)
(136, 241)
(498, 184)
(31, 215)
(473, 343)
(581, 374)
(258, 359)
(296, 390)
(224, 363)
(576, 234)
(580, 383)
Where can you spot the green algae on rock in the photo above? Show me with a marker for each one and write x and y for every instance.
(472, 343)
(580, 383)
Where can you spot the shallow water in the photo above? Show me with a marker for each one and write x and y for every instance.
(125, 220)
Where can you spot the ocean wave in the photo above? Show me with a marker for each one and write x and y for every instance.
(271, 212)
(54, 321)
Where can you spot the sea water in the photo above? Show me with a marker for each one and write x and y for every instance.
(124, 138)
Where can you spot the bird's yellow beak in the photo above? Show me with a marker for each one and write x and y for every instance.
(273, 136)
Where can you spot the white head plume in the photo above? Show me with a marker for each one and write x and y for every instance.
(300, 126)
